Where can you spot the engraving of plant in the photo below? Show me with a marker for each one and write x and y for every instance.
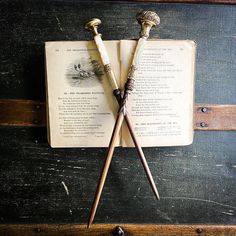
(84, 72)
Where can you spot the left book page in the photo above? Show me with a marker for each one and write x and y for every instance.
(81, 109)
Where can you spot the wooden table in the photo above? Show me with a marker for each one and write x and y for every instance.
(42, 188)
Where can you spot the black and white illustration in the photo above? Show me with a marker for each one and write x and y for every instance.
(84, 72)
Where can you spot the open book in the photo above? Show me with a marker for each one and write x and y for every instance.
(81, 109)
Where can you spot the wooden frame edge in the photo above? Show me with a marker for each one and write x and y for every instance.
(117, 230)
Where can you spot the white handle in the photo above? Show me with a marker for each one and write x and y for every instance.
(102, 50)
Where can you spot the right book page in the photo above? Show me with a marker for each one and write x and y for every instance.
(161, 105)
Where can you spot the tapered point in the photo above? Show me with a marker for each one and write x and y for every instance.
(88, 225)
(91, 217)
(155, 191)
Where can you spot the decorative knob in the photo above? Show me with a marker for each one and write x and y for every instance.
(92, 25)
(147, 19)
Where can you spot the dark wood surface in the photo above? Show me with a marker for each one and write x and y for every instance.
(16, 112)
(197, 183)
(29, 113)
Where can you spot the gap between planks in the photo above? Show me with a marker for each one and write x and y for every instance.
(29, 113)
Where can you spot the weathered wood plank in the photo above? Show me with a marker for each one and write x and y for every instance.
(214, 117)
(33, 114)
(116, 230)
(22, 113)
(25, 30)
(197, 183)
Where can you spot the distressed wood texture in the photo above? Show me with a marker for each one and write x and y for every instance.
(214, 117)
(39, 184)
(33, 114)
(22, 113)
(112, 230)
(44, 185)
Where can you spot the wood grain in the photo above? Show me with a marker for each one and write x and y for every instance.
(31, 113)
(197, 183)
(111, 229)
(214, 117)
(22, 113)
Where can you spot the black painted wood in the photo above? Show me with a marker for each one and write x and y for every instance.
(26, 25)
(197, 183)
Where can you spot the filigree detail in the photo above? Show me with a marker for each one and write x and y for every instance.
(131, 73)
(129, 86)
(150, 16)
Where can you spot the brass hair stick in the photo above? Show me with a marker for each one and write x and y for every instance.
(147, 20)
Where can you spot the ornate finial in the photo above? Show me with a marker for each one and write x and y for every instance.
(147, 19)
(149, 16)
(93, 25)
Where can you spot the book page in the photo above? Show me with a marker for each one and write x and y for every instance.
(81, 107)
(161, 105)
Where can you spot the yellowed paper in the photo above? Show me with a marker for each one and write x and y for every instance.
(81, 107)
(161, 106)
